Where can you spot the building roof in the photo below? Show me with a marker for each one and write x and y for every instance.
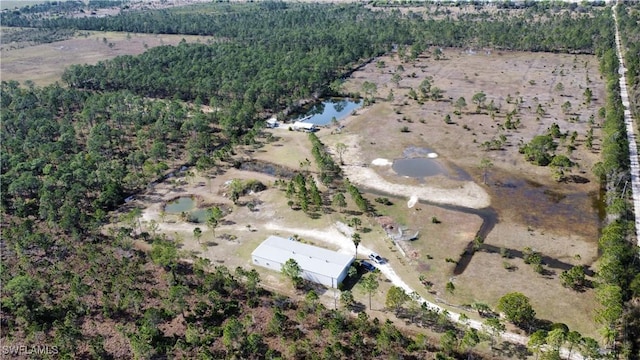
(310, 258)
(303, 125)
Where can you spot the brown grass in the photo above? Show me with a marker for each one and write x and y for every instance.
(566, 231)
(44, 64)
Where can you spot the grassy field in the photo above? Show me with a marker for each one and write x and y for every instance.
(12, 4)
(44, 63)
(556, 219)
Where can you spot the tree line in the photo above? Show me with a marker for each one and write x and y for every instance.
(267, 60)
(628, 18)
(618, 272)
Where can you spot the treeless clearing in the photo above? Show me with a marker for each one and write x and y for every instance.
(44, 63)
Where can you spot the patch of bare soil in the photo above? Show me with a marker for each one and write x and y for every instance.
(463, 193)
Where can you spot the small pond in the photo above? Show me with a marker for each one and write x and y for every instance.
(418, 167)
(187, 205)
(199, 215)
(419, 162)
(180, 205)
(322, 113)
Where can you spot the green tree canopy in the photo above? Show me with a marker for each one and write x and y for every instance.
(396, 297)
(293, 271)
(516, 308)
(369, 284)
(538, 150)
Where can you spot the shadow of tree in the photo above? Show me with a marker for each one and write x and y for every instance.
(511, 350)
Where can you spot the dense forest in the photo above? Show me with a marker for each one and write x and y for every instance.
(272, 51)
(71, 154)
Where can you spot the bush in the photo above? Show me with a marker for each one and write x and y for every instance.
(561, 161)
(531, 257)
(573, 278)
(538, 150)
(516, 308)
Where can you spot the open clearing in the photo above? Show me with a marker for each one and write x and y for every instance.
(44, 63)
(558, 220)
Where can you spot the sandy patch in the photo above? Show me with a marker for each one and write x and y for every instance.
(412, 201)
(381, 162)
(469, 194)
(466, 194)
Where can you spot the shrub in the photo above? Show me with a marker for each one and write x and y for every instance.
(573, 278)
(561, 161)
(538, 150)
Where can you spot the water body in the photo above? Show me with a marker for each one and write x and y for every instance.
(538, 206)
(418, 167)
(199, 215)
(418, 162)
(322, 113)
(180, 205)
(187, 205)
(562, 208)
(268, 168)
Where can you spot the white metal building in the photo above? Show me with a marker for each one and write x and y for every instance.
(319, 265)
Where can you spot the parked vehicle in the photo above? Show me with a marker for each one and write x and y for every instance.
(376, 258)
(367, 265)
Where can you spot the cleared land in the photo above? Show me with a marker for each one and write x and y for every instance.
(556, 219)
(44, 63)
